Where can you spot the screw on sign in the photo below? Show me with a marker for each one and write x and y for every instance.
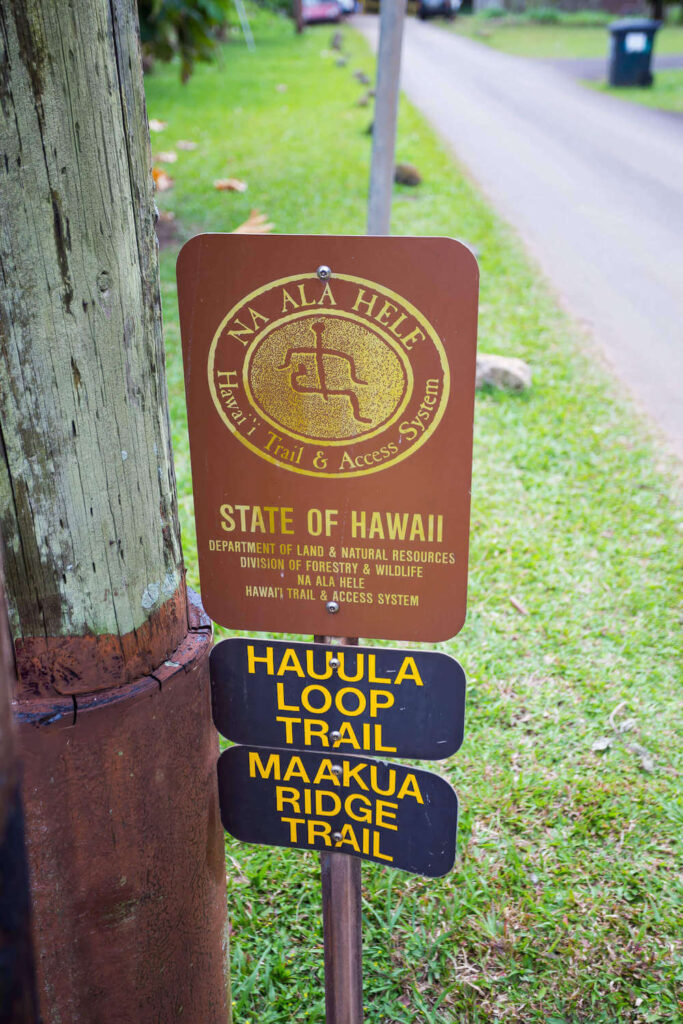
(330, 394)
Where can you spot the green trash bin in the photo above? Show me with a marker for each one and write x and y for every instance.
(631, 43)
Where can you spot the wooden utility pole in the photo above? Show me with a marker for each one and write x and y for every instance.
(18, 1003)
(125, 847)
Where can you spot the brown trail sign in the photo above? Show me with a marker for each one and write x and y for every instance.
(330, 392)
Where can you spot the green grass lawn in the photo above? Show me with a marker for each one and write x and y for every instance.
(566, 901)
(666, 92)
(566, 38)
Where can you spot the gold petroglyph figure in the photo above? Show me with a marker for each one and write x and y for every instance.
(303, 382)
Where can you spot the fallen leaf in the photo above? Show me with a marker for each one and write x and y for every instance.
(241, 877)
(186, 145)
(167, 157)
(230, 185)
(603, 743)
(518, 606)
(162, 180)
(255, 224)
(157, 126)
(647, 762)
(613, 715)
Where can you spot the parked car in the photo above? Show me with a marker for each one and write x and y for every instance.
(433, 8)
(320, 10)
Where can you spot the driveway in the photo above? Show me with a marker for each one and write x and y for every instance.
(593, 185)
(594, 69)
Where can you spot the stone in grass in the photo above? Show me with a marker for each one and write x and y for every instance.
(361, 77)
(337, 41)
(363, 100)
(342, 62)
(407, 174)
(505, 372)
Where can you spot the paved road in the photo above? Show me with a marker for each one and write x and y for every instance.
(594, 186)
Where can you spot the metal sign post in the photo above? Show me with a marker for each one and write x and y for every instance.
(391, 17)
(342, 928)
(340, 877)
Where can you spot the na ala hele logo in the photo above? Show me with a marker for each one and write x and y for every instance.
(328, 378)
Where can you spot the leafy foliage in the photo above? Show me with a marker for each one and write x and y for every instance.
(188, 29)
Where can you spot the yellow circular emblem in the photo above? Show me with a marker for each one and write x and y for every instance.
(328, 378)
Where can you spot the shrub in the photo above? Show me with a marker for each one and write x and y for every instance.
(188, 29)
(493, 12)
(543, 15)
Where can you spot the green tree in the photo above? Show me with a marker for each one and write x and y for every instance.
(189, 29)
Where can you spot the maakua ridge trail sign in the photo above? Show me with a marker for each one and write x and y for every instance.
(330, 394)
(397, 816)
(373, 700)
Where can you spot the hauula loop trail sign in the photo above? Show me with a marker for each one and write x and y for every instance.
(338, 699)
(330, 391)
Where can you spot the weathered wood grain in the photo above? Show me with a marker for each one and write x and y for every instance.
(87, 488)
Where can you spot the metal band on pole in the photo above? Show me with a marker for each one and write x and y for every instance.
(340, 876)
(392, 14)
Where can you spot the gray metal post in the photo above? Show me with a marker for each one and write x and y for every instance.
(392, 14)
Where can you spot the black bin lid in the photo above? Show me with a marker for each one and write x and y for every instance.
(634, 25)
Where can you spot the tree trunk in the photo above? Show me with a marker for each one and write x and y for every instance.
(112, 666)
